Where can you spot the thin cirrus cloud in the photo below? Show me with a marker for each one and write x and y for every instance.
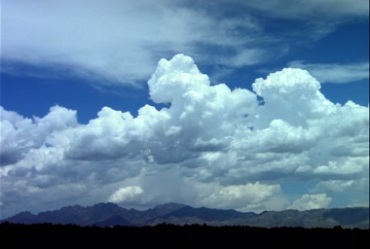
(210, 146)
(120, 42)
(117, 43)
(335, 73)
(321, 10)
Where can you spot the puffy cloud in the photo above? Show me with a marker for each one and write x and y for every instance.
(201, 116)
(126, 194)
(335, 73)
(311, 201)
(288, 86)
(356, 191)
(209, 145)
(251, 196)
(19, 135)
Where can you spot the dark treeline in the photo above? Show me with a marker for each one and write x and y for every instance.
(172, 236)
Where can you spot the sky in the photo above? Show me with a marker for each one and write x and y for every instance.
(250, 105)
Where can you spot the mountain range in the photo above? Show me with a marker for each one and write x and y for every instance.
(109, 214)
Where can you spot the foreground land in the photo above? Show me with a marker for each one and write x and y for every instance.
(171, 236)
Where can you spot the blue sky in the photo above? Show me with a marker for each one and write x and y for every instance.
(81, 121)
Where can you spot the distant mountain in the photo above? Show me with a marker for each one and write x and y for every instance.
(190, 215)
(101, 214)
(325, 218)
(109, 214)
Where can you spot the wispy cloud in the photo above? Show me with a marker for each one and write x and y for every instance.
(335, 73)
(311, 201)
(314, 10)
(120, 42)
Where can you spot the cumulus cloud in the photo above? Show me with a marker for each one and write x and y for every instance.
(356, 190)
(335, 73)
(210, 145)
(251, 196)
(126, 194)
(20, 135)
(311, 201)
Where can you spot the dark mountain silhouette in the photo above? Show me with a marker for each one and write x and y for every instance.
(24, 218)
(208, 214)
(190, 215)
(109, 214)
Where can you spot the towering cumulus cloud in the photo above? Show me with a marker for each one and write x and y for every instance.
(210, 145)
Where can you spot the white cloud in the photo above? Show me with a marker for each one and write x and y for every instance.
(20, 135)
(355, 190)
(335, 185)
(251, 196)
(335, 73)
(210, 146)
(311, 201)
(126, 194)
(346, 168)
(120, 42)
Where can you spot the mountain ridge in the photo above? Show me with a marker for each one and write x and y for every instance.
(110, 214)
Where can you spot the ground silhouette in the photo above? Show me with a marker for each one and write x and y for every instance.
(172, 236)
